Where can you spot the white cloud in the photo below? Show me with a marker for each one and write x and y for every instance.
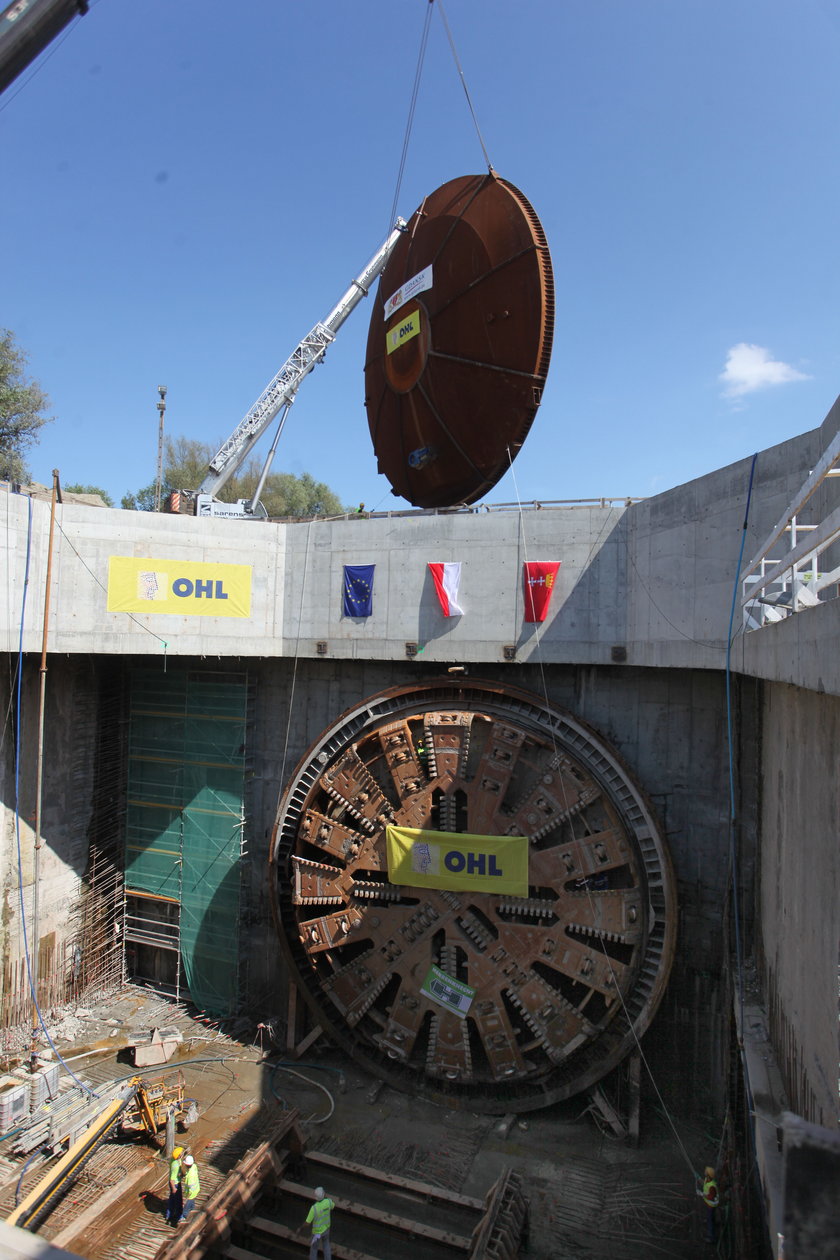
(749, 368)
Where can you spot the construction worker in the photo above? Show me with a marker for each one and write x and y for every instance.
(709, 1195)
(175, 1206)
(319, 1219)
(191, 1187)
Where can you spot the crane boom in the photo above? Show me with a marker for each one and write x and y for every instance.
(281, 391)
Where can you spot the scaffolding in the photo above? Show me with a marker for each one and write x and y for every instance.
(184, 833)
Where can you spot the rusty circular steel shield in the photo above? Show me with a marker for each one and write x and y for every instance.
(459, 342)
(500, 1001)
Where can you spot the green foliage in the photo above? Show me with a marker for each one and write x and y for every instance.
(78, 488)
(185, 465)
(143, 500)
(22, 406)
(284, 494)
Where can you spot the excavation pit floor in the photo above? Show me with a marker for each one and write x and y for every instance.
(592, 1196)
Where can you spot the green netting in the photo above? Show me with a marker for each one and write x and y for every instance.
(186, 755)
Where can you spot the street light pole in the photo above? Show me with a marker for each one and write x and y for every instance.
(162, 411)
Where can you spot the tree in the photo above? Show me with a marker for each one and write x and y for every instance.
(22, 407)
(285, 494)
(185, 462)
(78, 488)
(143, 500)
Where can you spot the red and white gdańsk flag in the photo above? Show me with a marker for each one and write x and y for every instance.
(447, 579)
(539, 578)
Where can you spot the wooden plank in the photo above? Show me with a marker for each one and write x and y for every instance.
(608, 1112)
(303, 1046)
(401, 1223)
(302, 1239)
(405, 1183)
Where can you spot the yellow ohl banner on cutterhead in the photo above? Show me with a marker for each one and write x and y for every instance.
(402, 332)
(441, 859)
(188, 588)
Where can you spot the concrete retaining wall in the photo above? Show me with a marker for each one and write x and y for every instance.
(68, 765)
(652, 579)
(798, 893)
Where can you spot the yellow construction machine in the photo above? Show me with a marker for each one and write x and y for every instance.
(154, 1101)
(142, 1107)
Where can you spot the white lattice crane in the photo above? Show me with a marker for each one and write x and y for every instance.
(279, 395)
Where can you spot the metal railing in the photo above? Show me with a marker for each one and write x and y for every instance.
(775, 586)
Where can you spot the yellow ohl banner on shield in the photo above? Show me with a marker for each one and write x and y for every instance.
(402, 332)
(188, 589)
(441, 859)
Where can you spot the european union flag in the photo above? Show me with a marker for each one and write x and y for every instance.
(358, 590)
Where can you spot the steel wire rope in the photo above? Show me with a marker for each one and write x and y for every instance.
(10, 625)
(689, 638)
(421, 56)
(103, 586)
(733, 817)
(733, 850)
(464, 85)
(18, 716)
(49, 53)
(295, 660)
(576, 841)
(11, 704)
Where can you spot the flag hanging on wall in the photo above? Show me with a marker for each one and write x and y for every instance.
(447, 579)
(358, 590)
(539, 577)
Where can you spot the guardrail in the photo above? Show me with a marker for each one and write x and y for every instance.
(774, 587)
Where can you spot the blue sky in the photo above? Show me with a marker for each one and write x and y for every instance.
(190, 186)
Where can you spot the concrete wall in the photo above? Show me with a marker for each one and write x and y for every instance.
(664, 726)
(798, 893)
(66, 803)
(653, 578)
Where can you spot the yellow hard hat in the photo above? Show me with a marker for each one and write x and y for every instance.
(177, 1152)
(710, 1172)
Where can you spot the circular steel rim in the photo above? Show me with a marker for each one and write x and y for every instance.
(452, 433)
(576, 1068)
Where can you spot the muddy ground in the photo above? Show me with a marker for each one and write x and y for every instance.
(592, 1196)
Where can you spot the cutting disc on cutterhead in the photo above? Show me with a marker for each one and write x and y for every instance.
(459, 342)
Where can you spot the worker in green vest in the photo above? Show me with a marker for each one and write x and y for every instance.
(190, 1184)
(319, 1219)
(710, 1196)
(175, 1206)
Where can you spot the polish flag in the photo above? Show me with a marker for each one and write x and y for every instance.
(447, 579)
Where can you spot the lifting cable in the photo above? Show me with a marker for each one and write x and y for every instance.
(733, 847)
(464, 84)
(287, 735)
(424, 39)
(734, 877)
(577, 843)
